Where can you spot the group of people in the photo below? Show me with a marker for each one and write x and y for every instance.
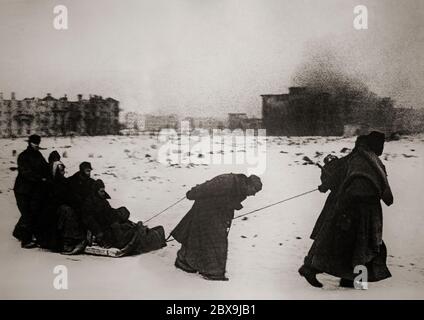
(58, 212)
(67, 214)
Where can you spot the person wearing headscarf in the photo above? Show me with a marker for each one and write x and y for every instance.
(57, 195)
(348, 232)
(203, 232)
(54, 157)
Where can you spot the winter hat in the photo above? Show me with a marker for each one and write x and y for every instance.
(34, 139)
(375, 141)
(256, 182)
(99, 184)
(85, 165)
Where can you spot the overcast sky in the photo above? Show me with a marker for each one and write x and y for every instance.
(204, 57)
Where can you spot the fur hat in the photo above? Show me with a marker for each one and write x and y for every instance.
(256, 182)
(99, 184)
(85, 165)
(375, 141)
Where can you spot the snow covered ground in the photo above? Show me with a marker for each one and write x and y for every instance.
(265, 250)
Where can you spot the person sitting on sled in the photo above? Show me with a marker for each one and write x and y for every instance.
(112, 228)
(100, 218)
(204, 229)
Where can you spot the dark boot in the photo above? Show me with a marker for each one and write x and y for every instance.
(76, 249)
(28, 244)
(18, 233)
(183, 266)
(214, 277)
(346, 283)
(310, 275)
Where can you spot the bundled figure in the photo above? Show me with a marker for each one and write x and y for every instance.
(348, 232)
(204, 229)
(112, 228)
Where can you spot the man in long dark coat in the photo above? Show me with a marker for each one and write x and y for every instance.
(348, 232)
(204, 229)
(32, 173)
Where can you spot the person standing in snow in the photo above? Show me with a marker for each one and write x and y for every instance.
(348, 232)
(32, 173)
(203, 232)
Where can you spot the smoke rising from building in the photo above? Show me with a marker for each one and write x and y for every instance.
(323, 71)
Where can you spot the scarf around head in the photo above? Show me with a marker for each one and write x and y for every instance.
(55, 166)
(366, 164)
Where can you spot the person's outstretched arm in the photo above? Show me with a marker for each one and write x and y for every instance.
(216, 187)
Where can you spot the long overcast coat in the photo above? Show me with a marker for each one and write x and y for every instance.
(29, 191)
(204, 229)
(349, 230)
(48, 233)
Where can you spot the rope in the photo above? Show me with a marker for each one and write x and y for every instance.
(259, 209)
(157, 214)
(273, 204)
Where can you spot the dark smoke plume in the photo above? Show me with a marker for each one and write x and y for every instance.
(323, 71)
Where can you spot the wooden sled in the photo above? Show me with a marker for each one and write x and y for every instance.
(100, 251)
(155, 239)
(111, 252)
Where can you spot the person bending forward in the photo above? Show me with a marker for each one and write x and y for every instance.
(204, 229)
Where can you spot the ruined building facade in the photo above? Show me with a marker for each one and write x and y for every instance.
(307, 112)
(58, 117)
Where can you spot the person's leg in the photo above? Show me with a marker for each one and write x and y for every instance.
(72, 232)
(181, 263)
(215, 277)
(309, 272)
(23, 229)
(346, 283)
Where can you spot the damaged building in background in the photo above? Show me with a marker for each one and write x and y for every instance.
(58, 117)
(305, 111)
(243, 122)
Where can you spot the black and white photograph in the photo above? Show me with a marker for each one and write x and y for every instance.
(211, 150)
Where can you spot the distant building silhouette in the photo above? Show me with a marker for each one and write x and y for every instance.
(158, 122)
(134, 122)
(307, 112)
(243, 122)
(58, 117)
(205, 123)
